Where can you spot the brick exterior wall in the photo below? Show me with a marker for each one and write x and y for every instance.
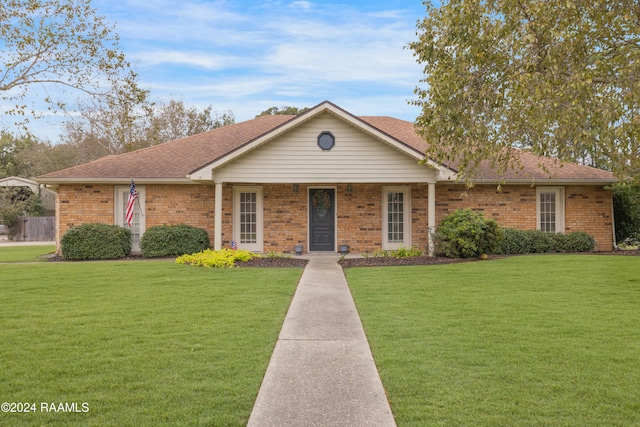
(587, 208)
(180, 204)
(590, 209)
(82, 204)
(164, 204)
(359, 214)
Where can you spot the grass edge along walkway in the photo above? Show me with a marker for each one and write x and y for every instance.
(143, 343)
(532, 340)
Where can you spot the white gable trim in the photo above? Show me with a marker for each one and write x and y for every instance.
(207, 172)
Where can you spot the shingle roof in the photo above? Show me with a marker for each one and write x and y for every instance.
(176, 159)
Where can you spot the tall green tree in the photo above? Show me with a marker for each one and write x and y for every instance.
(50, 47)
(558, 77)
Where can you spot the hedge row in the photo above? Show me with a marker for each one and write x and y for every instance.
(101, 241)
(465, 234)
(535, 241)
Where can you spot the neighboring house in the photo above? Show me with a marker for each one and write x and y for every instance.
(47, 196)
(322, 179)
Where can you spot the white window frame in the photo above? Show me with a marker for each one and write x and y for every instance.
(406, 218)
(121, 196)
(559, 195)
(259, 244)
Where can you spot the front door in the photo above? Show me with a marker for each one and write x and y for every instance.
(322, 219)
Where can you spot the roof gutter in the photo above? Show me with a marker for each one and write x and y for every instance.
(114, 181)
(538, 182)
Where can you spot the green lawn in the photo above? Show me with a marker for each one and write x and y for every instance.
(141, 342)
(548, 340)
(25, 253)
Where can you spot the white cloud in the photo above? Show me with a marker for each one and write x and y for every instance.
(248, 56)
(301, 4)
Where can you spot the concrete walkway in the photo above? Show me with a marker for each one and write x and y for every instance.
(322, 372)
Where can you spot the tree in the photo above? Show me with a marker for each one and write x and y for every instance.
(286, 110)
(43, 157)
(109, 124)
(56, 46)
(560, 78)
(11, 148)
(626, 212)
(16, 202)
(175, 120)
(115, 127)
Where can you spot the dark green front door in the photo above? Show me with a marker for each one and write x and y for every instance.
(322, 221)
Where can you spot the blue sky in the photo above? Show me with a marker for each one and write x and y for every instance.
(247, 56)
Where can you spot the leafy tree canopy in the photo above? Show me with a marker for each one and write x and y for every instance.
(11, 148)
(114, 128)
(285, 111)
(560, 78)
(52, 46)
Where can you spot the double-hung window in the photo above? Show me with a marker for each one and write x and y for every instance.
(550, 209)
(396, 217)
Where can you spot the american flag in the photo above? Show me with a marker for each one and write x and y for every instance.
(133, 195)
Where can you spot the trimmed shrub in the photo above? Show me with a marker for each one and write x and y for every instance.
(536, 241)
(224, 258)
(173, 240)
(96, 241)
(626, 212)
(580, 242)
(466, 234)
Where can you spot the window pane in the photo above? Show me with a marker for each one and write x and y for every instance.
(248, 217)
(548, 212)
(395, 217)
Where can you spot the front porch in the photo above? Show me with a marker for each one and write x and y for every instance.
(365, 216)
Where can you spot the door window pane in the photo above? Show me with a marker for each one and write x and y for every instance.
(395, 217)
(248, 218)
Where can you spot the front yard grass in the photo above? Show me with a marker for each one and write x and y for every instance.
(141, 342)
(25, 253)
(522, 341)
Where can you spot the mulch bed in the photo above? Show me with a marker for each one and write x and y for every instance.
(390, 261)
(367, 262)
(273, 262)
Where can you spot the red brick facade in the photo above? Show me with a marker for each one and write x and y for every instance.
(358, 211)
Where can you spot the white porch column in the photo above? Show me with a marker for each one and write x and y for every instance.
(217, 223)
(431, 217)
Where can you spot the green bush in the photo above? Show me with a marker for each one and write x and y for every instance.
(580, 242)
(401, 252)
(96, 241)
(465, 234)
(224, 258)
(536, 241)
(626, 212)
(173, 240)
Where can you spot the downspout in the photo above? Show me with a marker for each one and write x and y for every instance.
(613, 224)
(431, 217)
